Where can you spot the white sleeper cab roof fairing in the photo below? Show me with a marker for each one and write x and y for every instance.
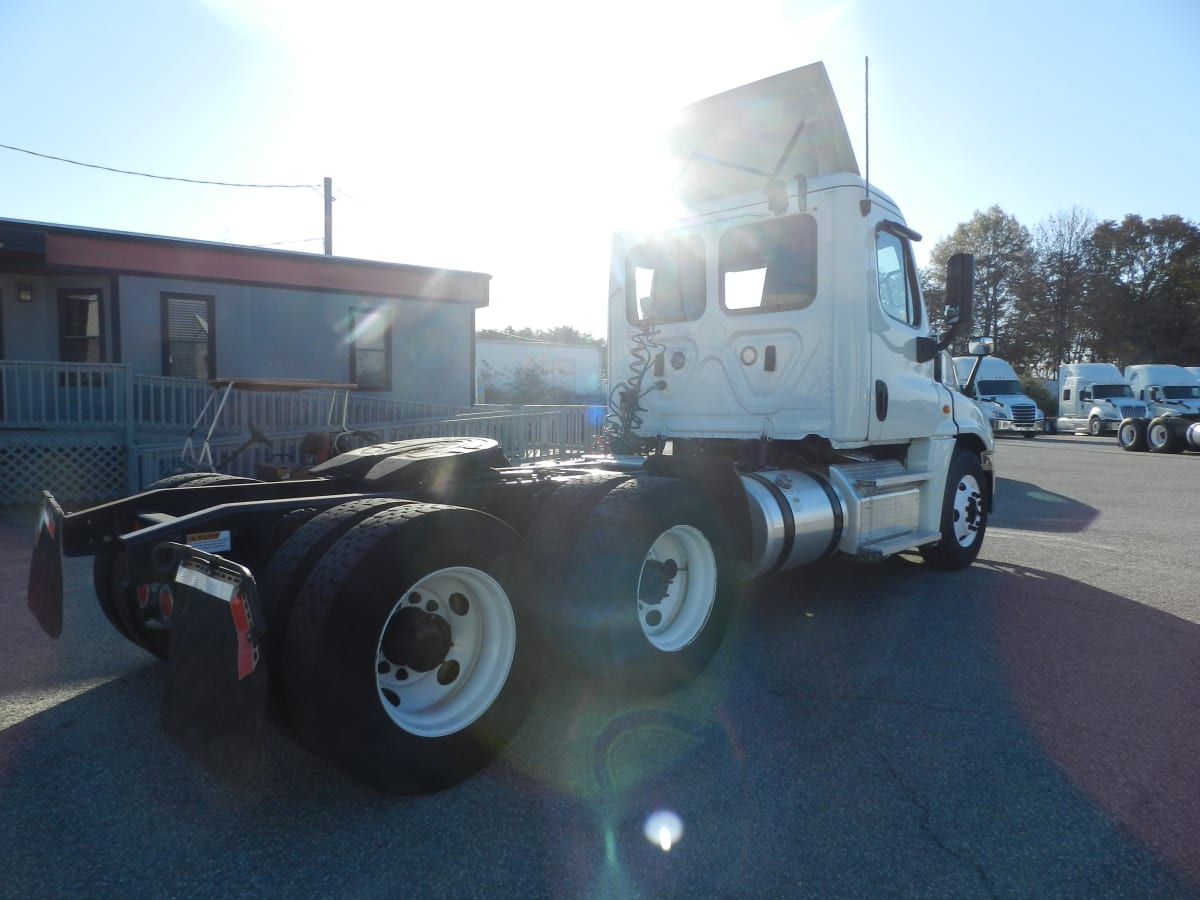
(781, 127)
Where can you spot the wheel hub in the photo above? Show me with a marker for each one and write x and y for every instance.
(656, 580)
(416, 639)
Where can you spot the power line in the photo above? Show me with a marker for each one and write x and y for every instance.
(76, 162)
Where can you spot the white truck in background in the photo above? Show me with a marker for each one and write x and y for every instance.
(1171, 422)
(1094, 398)
(998, 393)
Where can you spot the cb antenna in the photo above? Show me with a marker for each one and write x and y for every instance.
(865, 204)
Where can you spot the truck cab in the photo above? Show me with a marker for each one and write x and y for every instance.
(778, 322)
(1094, 398)
(1166, 390)
(998, 392)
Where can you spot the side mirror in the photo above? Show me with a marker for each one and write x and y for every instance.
(960, 304)
(1085, 396)
(960, 289)
(981, 346)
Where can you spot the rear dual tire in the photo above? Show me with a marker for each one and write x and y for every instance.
(115, 588)
(1162, 436)
(409, 649)
(648, 589)
(1131, 434)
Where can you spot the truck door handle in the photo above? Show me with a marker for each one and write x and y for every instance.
(881, 400)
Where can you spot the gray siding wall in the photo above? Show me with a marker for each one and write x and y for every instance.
(31, 329)
(264, 332)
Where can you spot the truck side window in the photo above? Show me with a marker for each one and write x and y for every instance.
(664, 281)
(1066, 394)
(897, 278)
(769, 266)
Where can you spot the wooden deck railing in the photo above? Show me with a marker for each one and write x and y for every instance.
(70, 416)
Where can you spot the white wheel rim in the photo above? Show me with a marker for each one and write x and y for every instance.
(1125, 435)
(672, 614)
(968, 510)
(1157, 435)
(477, 618)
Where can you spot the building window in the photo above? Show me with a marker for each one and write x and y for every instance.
(189, 342)
(370, 349)
(80, 326)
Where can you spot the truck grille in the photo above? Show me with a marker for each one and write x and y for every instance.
(1133, 409)
(1024, 415)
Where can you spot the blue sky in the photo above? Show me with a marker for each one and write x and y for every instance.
(491, 136)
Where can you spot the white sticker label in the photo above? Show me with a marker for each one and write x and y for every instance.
(210, 541)
(214, 587)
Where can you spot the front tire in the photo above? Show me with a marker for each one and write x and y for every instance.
(964, 515)
(651, 588)
(1095, 427)
(408, 656)
(1131, 434)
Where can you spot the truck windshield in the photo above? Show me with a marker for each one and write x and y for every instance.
(993, 387)
(1181, 391)
(1104, 391)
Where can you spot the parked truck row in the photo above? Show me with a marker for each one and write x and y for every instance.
(1148, 407)
(401, 602)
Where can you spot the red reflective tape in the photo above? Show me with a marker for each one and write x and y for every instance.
(247, 657)
(241, 621)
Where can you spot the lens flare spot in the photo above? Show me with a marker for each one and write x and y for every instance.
(663, 828)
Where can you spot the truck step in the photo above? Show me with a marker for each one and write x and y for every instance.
(880, 477)
(877, 551)
(890, 481)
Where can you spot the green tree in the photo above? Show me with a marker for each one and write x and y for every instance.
(1003, 256)
(1144, 290)
(1050, 325)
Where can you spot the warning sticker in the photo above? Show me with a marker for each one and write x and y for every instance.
(210, 541)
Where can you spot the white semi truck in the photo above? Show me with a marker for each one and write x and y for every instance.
(1171, 422)
(779, 400)
(996, 389)
(1094, 398)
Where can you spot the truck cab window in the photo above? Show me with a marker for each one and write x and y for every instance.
(769, 266)
(665, 281)
(896, 275)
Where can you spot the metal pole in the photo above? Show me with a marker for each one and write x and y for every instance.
(329, 217)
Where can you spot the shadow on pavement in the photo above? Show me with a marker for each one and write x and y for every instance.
(1031, 507)
(864, 731)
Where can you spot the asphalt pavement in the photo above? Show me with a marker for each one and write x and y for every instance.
(1024, 728)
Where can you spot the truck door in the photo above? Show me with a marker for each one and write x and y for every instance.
(906, 401)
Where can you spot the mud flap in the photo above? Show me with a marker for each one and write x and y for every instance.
(45, 591)
(215, 704)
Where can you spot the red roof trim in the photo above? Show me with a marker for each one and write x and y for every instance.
(245, 265)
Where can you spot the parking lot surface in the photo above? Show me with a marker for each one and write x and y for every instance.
(1024, 728)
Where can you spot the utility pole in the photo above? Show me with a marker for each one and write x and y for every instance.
(329, 217)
